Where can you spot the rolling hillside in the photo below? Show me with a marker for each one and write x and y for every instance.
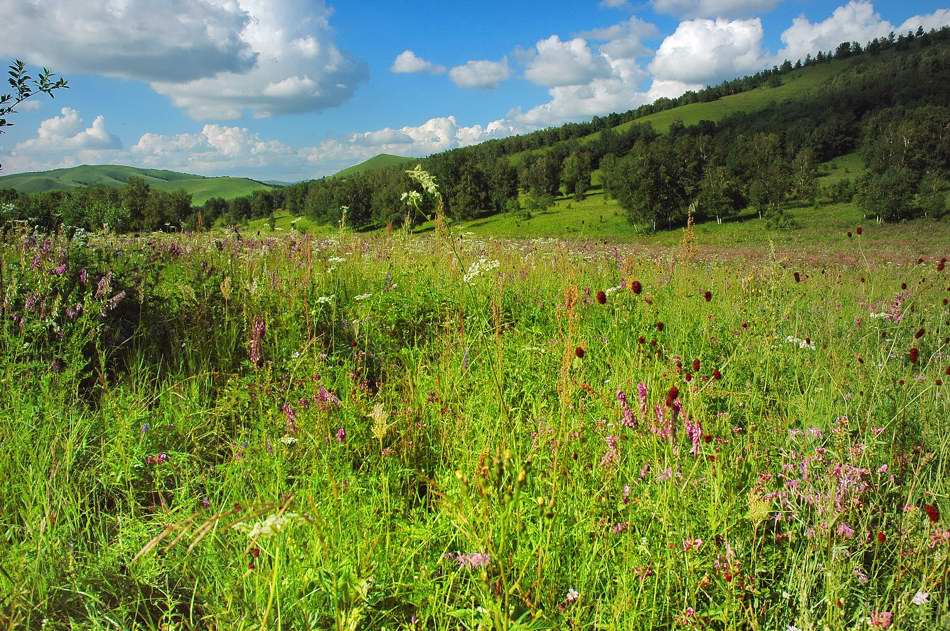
(201, 188)
(381, 161)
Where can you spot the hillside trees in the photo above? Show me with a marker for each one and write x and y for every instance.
(576, 173)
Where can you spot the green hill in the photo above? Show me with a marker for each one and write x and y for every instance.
(381, 161)
(201, 188)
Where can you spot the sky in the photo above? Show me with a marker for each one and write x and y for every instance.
(297, 89)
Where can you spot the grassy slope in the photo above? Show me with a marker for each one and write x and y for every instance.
(797, 85)
(201, 188)
(381, 161)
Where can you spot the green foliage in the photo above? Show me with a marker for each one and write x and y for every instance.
(24, 86)
(889, 194)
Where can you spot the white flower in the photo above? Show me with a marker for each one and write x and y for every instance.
(324, 300)
(413, 198)
(288, 440)
(425, 179)
(481, 266)
(271, 525)
(791, 339)
(362, 297)
(335, 260)
(920, 598)
(792, 627)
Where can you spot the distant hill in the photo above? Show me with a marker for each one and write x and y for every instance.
(201, 188)
(381, 161)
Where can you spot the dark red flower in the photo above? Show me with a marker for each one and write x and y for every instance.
(601, 297)
(717, 375)
(660, 326)
(941, 265)
(913, 355)
(688, 377)
(707, 296)
(745, 325)
(933, 513)
(881, 537)
(798, 277)
(641, 340)
(580, 352)
(636, 287)
(859, 230)
(919, 334)
(672, 395)
(696, 365)
(903, 285)
(849, 234)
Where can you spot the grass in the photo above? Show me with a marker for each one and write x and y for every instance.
(201, 188)
(366, 432)
(381, 161)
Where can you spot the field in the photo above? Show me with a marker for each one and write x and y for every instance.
(381, 161)
(437, 432)
(201, 188)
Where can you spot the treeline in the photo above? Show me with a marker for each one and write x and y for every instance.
(895, 85)
(133, 208)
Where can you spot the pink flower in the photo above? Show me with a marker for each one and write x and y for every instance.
(692, 544)
(341, 435)
(845, 531)
(881, 619)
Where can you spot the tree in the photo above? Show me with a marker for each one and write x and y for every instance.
(933, 199)
(575, 173)
(134, 199)
(888, 195)
(649, 185)
(24, 87)
(805, 176)
(719, 194)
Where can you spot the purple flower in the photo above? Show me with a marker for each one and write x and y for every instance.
(470, 560)
(60, 269)
(628, 419)
(845, 531)
(258, 330)
(694, 430)
(341, 435)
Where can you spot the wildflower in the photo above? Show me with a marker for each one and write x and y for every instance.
(849, 234)
(470, 560)
(341, 435)
(881, 537)
(671, 396)
(324, 300)
(628, 419)
(601, 297)
(362, 297)
(610, 456)
(804, 344)
(695, 433)
(636, 287)
(626, 493)
(258, 330)
(579, 352)
(913, 355)
(859, 230)
(572, 596)
(326, 397)
(717, 375)
(692, 544)
(696, 365)
(271, 525)
(707, 296)
(642, 396)
(660, 326)
(288, 440)
(881, 619)
(920, 598)
(60, 269)
(798, 277)
(933, 513)
(481, 266)
(845, 531)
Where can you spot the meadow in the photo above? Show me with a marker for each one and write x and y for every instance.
(434, 431)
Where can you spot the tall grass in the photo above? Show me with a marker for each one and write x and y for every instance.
(344, 433)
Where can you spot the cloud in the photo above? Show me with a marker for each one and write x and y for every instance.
(613, 4)
(65, 141)
(67, 133)
(407, 62)
(708, 51)
(714, 8)
(480, 74)
(856, 21)
(172, 40)
(560, 63)
(298, 69)
(30, 106)
(624, 40)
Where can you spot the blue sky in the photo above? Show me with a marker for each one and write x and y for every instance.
(294, 89)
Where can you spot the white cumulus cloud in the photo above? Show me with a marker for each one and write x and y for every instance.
(480, 73)
(407, 62)
(559, 63)
(856, 21)
(714, 8)
(172, 40)
(708, 51)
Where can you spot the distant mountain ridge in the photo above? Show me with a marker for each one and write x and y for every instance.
(202, 188)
